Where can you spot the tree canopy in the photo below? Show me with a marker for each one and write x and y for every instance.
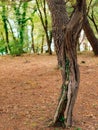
(26, 25)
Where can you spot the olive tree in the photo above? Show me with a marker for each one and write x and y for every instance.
(65, 33)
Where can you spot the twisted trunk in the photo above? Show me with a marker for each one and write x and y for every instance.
(66, 33)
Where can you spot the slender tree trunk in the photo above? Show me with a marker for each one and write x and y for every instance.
(42, 44)
(66, 33)
(7, 39)
(93, 20)
(7, 36)
(11, 31)
(4, 19)
(32, 35)
(89, 33)
(33, 46)
(44, 22)
(78, 46)
(4, 43)
(49, 44)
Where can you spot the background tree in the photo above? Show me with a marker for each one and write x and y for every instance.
(90, 17)
(42, 9)
(4, 19)
(21, 22)
(24, 30)
(90, 33)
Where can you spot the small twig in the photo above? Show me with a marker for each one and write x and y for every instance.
(89, 6)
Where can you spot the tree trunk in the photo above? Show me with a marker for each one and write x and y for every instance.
(59, 22)
(78, 46)
(50, 41)
(93, 20)
(66, 33)
(89, 33)
(7, 37)
(5, 48)
(33, 46)
(42, 44)
(14, 38)
(44, 21)
(4, 19)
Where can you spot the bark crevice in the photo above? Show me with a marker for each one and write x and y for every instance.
(65, 42)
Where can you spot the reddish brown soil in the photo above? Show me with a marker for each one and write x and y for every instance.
(29, 90)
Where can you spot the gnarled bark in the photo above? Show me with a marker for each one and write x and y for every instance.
(66, 33)
(59, 22)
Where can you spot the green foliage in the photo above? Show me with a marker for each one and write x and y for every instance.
(93, 15)
(72, 2)
(16, 49)
(20, 12)
(16, 18)
(2, 47)
(64, 87)
(62, 119)
(25, 15)
(95, 3)
(69, 6)
(78, 129)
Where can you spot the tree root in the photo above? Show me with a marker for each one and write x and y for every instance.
(57, 124)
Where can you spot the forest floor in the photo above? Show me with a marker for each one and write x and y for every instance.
(30, 87)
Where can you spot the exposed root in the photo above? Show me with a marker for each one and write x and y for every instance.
(57, 124)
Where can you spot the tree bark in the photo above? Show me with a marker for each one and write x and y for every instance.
(42, 44)
(59, 22)
(89, 33)
(90, 36)
(66, 33)
(32, 29)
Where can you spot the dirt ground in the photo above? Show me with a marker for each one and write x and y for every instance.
(30, 87)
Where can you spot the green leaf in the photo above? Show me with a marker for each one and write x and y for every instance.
(78, 129)
(95, 3)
